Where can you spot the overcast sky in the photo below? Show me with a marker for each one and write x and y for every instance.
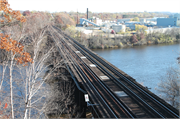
(97, 5)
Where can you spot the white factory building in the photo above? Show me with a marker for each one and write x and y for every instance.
(119, 27)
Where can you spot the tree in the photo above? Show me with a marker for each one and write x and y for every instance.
(26, 13)
(135, 19)
(26, 57)
(133, 39)
(62, 20)
(8, 44)
(26, 83)
(169, 87)
(34, 78)
(140, 28)
(128, 29)
(142, 36)
(60, 98)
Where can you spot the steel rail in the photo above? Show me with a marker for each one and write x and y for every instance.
(76, 67)
(72, 75)
(131, 92)
(86, 76)
(123, 84)
(80, 60)
(106, 88)
(127, 80)
(134, 94)
(154, 110)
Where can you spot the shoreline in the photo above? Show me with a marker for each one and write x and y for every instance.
(131, 46)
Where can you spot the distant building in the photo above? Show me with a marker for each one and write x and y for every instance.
(98, 21)
(119, 27)
(177, 16)
(142, 20)
(166, 22)
(86, 22)
(123, 20)
(171, 16)
(153, 19)
(108, 24)
(132, 24)
(160, 30)
(178, 23)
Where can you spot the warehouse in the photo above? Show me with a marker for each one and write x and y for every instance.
(166, 22)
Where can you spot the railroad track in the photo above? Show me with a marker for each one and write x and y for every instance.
(106, 99)
(138, 104)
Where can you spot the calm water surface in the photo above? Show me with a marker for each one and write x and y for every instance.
(146, 64)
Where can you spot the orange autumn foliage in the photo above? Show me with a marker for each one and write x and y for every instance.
(12, 45)
(9, 13)
(2, 111)
(6, 42)
(5, 105)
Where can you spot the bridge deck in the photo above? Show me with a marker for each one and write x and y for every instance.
(118, 94)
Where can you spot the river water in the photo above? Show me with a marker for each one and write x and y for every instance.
(146, 64)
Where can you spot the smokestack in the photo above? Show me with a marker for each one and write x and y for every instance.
(87, 13)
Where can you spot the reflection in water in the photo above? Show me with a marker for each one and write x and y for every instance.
(147, 64)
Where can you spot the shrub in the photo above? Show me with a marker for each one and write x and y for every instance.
(133, 39)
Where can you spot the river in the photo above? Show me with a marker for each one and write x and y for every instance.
(146, 64)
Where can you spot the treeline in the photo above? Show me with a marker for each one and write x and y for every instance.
(113, 16)
(63, 19)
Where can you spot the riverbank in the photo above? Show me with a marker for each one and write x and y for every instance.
(102, 42)
(136, 45)
(121, 45)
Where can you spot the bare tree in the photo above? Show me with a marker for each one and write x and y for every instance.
(4, 63)
(27, 87)
(60, 98)
(11, 58)
(169, 87)
(35, 73)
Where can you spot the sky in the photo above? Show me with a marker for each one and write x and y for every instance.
(97, 5)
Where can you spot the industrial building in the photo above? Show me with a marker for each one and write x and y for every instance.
(167, 22)
(143, 21)
(86, 22)
(119, 27)
(177, 16)
(161, 30)
(131, 24)
(123, 20)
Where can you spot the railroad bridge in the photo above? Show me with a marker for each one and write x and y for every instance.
(113, 93)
